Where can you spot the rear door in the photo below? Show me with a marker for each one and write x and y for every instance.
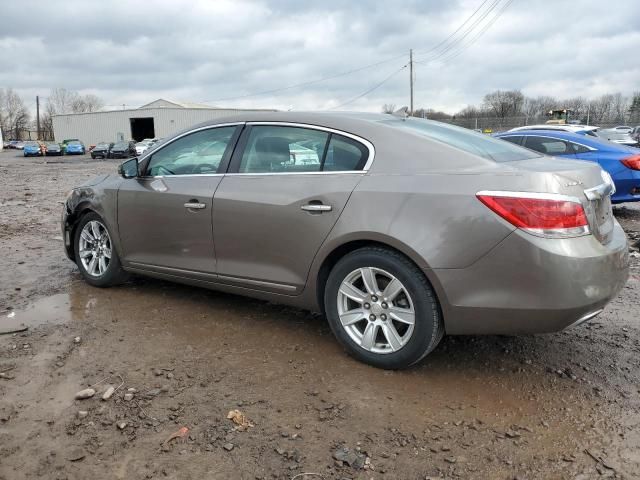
(286, 188)
(164, 216)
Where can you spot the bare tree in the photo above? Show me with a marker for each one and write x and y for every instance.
(388, 108)
(634, 109)
(69, 101)
(14, 116)
(504, 103)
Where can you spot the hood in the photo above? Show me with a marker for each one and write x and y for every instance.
(94, 181)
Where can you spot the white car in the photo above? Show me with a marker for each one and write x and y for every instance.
(142, 147)
(582, 129)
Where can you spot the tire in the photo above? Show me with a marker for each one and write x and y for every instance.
(414, 301)
(94, 273)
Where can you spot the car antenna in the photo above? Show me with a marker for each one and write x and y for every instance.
(402, 113)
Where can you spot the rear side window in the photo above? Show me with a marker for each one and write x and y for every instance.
(577, 148)
(467, 140)
(344, 154)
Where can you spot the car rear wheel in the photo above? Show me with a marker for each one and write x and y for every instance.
(95, 256)
(382, 309)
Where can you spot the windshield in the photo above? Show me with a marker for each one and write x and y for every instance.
(31, 144)
(74, 142)
(102, 144)
(465, 139)
(121, 145)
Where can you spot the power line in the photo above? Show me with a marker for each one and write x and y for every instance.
(376, 86)
(469, 30)
(456, 31)
(305, 84)
(470, 41)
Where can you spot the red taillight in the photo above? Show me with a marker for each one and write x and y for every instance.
(541, 214)
(632, 162)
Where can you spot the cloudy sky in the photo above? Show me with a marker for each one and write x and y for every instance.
(222, 52)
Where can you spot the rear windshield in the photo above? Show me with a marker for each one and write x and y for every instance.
(465, 139)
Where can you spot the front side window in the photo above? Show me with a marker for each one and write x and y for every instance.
(197, 153)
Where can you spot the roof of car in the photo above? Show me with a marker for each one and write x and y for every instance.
(587, 140)
(565, 128)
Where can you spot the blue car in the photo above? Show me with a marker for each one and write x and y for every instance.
(75, 148)
(32, 148)
(622, 163)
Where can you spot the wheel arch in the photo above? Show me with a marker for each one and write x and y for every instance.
(73, 220)
(340, 249)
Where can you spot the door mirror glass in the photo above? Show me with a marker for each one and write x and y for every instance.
(129, 169)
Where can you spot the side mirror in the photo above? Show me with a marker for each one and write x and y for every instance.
(129, 169)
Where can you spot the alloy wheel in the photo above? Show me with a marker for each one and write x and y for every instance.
(95, 248)
(376, 310)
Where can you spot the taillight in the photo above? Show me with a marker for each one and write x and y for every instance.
(541, 214)
(632, 162)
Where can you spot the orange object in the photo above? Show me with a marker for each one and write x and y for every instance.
(181, 434)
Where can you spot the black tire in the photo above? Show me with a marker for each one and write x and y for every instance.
(114, 274)
(428, 328)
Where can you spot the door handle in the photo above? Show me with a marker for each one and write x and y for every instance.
(195, 205)
(316, 207)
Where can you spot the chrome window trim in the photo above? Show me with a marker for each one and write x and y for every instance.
(184, 176)
(310, 126)
(257, 174)
(538, 195)
(561, 140)
(207, 127)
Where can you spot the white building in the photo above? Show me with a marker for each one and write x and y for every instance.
(157, 119)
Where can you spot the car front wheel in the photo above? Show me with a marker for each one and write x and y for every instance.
(382, 309)
(95, 256)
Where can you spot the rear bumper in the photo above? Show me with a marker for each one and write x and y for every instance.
(627, 182)
(528, 284)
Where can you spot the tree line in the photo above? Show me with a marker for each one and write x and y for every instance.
(16, 117)
(607, 108)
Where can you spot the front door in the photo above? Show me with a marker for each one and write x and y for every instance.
(164, 216)
(285, 190)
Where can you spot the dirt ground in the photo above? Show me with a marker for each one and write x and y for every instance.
(555, 406)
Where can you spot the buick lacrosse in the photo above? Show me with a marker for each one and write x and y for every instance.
(398, 229)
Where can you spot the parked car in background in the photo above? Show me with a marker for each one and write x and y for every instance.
(53, 148)
(74, 147)
(19, 145)
(375, 226)
(575, 128)
(635, 133)
(67, 141)
(32, 149)
(618, 136)
(102, 150)
(623, 128)
(621, 162)
(124, 149)
(142, 147)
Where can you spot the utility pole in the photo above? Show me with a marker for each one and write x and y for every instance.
(411, 81)
(38, 116)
